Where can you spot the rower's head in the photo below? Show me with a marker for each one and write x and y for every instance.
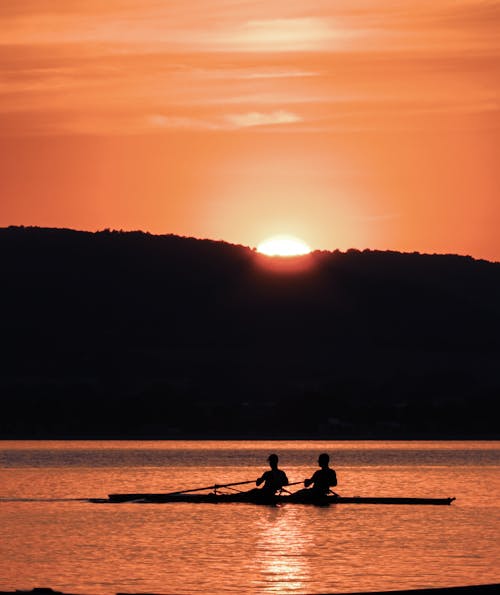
(273, 461)
(323, 460)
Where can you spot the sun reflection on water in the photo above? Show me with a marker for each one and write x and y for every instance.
(281, 552)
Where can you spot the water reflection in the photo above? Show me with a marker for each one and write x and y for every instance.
(238, 548)
(282, 552)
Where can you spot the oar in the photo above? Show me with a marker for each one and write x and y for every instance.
(281, 489)
(295, 483)
(216, 486)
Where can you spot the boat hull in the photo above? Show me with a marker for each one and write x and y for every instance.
(213, 498)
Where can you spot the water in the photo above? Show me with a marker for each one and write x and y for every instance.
(51, 536)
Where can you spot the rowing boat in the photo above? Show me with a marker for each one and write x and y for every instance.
(253, 498)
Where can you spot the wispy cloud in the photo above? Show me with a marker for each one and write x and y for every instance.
(262, 119)
(221, 25)
(106, 123)
(231, 121)
(341, 64)
(257, 75)
(159, 121)
(285, 34)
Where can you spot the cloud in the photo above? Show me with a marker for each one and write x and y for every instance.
(258, 75)
(246, 120)
(225, 25)
(159, 121)
(242, 65)
(262, 119)
(131, 124)
(279, 34)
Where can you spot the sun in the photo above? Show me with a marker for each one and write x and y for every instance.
(283, 246)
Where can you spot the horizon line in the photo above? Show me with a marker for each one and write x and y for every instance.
(251, 248)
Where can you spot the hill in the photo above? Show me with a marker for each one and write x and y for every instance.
(130, 335)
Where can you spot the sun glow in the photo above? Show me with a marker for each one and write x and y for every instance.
(283, 246)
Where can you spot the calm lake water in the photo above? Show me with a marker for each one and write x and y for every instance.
(51, 536)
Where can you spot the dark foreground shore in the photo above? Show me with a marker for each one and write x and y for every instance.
(491, 589)
(467, 590)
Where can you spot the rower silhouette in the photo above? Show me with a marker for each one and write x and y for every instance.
(274, 479)
(322, 480)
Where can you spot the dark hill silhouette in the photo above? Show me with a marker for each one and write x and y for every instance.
(116, 334)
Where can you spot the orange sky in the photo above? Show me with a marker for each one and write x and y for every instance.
(350, 124)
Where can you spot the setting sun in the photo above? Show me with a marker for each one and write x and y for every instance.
(283, 246)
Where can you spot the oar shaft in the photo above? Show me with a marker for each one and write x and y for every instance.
(216, 486)
(237, 483)
(212, 487)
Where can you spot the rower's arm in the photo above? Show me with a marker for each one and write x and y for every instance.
(312, 479)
